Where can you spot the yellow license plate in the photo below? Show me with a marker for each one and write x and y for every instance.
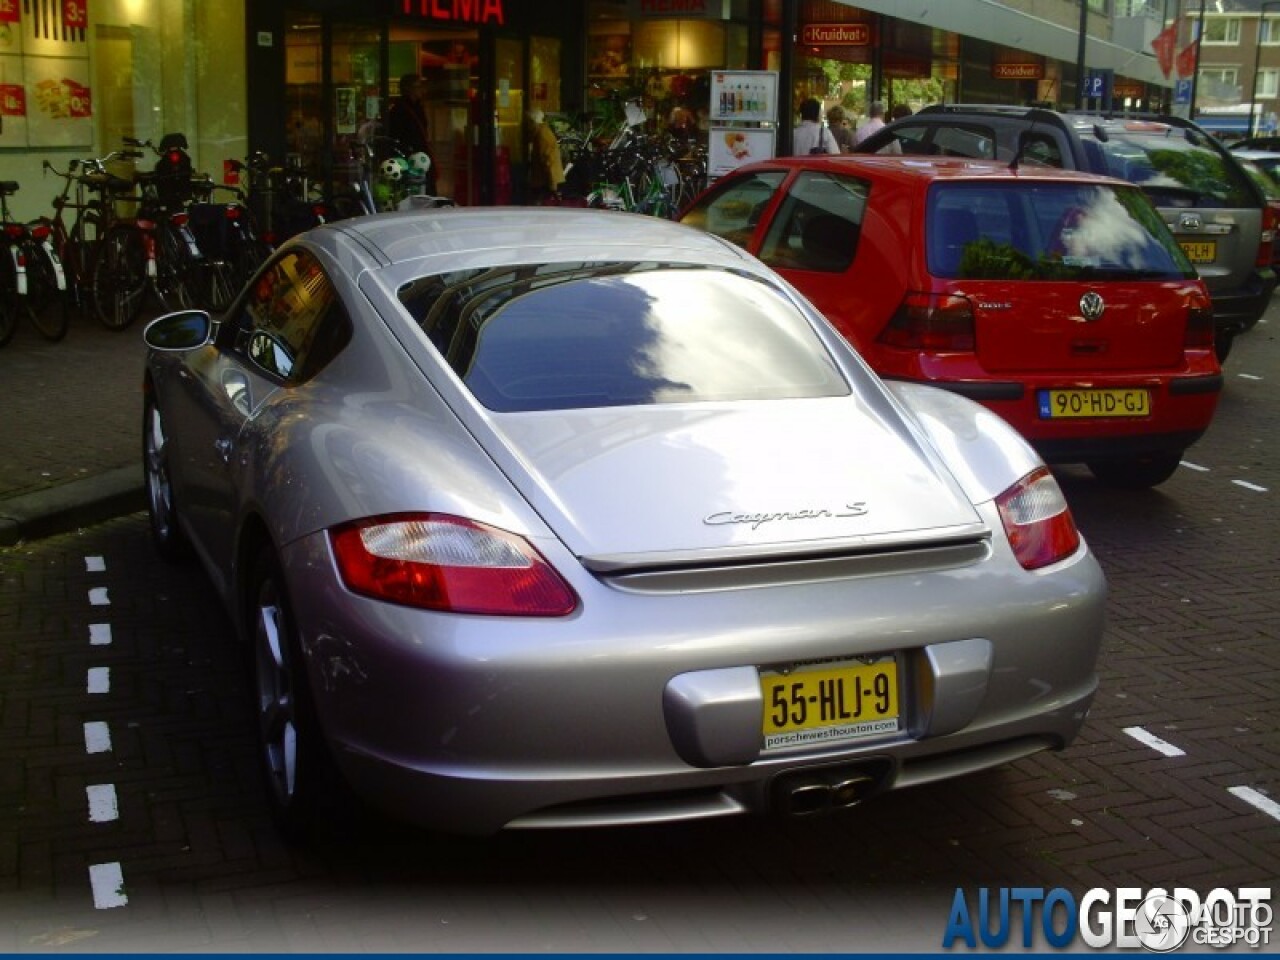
(1200, 251)
(828, 702)
(1068, 404)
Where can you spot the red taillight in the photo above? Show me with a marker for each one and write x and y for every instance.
(1266, 243)
(179, 219)
(14, 231)
(40, 232)
(231, 212)
(1038, 521)
(932, 323)
(441, 562)
(1199, 335)
(174, 156)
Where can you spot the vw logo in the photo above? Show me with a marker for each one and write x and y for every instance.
(1190, 221)
(1091, 305)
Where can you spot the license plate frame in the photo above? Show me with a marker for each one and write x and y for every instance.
(1200, 251)
(1109, 403)
(830, 702)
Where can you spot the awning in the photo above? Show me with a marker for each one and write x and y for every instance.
(1224, 123)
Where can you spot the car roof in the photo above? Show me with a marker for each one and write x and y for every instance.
(934, 168)
(477, 236)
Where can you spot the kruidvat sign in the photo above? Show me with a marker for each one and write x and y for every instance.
(835, 34)
(456, 11)
(1018, 71)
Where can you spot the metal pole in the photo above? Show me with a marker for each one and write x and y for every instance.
(1195, 74)
(1080, 48)
(1257, 56)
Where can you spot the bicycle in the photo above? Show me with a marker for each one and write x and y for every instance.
(32, 281)
(97, 195)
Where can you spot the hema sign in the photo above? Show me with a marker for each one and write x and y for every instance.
(678, 9)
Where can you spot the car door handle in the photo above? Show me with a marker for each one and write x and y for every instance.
(223, 445)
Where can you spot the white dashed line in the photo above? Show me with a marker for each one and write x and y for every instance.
(107, 880)
(95, 564)
(99, 634)
(97, 737)
(98, 680)
(1249, 486)
(1194, 466)
(1154, 742)
(98, 597)
(103, 807)
(1256, 799)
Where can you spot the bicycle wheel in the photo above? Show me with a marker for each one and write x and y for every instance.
(77, 261)
(211, 284)
(174, 281)
(47, 306)
(119, 277)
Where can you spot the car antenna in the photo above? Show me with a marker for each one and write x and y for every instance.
(1022, 140)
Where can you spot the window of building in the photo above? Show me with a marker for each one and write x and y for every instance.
(1269, 31)
(1268, 84)
(1222, 30)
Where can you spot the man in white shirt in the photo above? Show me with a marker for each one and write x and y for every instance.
(876, 114)
(810, 135)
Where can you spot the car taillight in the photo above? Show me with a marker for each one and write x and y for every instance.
(1199, 335)
(933, 323)
(441, 562)
(1038, 521)
(1266, 243)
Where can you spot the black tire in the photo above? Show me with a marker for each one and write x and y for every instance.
(295, 760)
(174, 279)
(211, 284)
(120, 277)
(1136, 473)
(77, 261)
(162, 512)
(48, 303)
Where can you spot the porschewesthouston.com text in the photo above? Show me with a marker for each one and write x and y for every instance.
(1127, 918)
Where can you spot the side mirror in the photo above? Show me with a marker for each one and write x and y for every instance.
(184, 330)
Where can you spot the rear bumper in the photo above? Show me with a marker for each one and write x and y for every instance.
(1239, 309)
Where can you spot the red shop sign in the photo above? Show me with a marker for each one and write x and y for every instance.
(8, 11)
(456, 11)
(835, 34)
(1018, 71)
(75, 14)
(13, 100)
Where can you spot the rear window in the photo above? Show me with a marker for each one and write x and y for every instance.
(1176, 166)
(1048, 231)
(568, 336)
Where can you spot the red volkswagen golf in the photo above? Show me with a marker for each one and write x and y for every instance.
(1060, 300)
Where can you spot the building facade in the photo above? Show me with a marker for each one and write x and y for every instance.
(309, 81)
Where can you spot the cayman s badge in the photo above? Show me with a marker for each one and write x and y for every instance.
(1092, 305)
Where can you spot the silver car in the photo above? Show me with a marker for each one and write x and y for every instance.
(551, 517)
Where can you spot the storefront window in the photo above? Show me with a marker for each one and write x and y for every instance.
(74, 83)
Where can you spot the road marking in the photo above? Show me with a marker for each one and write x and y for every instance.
(1193, 466)
(99, 634)
(97, 737)
(107, 880)
(103, 806)
(95, 564)
(1249, 486)
(1154, 742)
(98, 597)
(1256, 799)
(98, 680)
(1248, 376)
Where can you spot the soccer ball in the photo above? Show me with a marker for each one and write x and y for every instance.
(391, 169)
(419, 162)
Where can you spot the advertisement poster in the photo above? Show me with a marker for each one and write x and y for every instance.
(744, 96)
(58, 102)
(733, 147)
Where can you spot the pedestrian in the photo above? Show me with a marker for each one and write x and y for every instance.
(875, 114)
(838, 124)
(900, 111)
(546, 167)
(810, 135)
(407, 124)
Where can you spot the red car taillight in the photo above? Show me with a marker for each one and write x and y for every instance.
(1199, 335)
(1038, 521)
(1266, 243)
(932, 323)
(440, 562)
